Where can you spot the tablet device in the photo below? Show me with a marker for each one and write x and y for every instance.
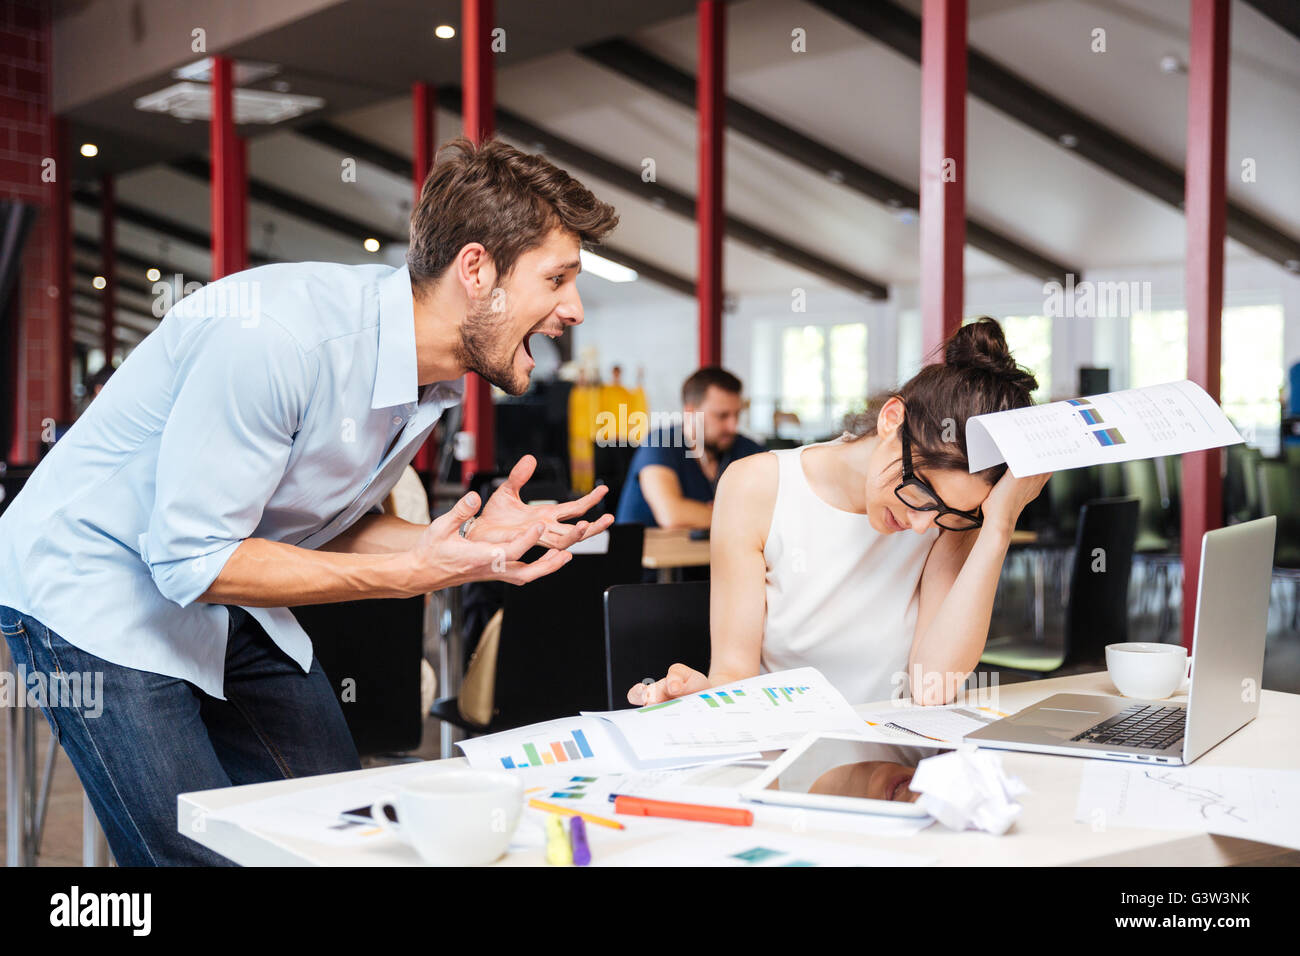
(790, 779)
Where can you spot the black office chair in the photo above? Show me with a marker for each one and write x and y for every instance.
(551, 653)
(1097, 609)
(648, 628)
(371, 652)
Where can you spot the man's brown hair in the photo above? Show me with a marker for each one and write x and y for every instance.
(695, 387)
(503, 198)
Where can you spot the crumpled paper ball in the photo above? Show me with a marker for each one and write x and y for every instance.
(967, 788)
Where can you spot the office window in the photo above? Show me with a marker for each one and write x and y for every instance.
(1252, 371)
(823, 374)
(1157, 347)
(803, 369)
(1250, 374)
(848, 361)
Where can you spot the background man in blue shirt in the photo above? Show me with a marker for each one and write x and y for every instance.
(233, 467)
(673, 476)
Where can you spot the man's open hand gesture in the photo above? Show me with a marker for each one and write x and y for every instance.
(506, 515)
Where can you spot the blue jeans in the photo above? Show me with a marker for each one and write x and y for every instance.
(144, 738)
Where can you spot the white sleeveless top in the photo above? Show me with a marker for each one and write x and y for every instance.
(841, 597)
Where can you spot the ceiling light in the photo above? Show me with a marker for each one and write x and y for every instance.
(1171, 64)
(193, 101)
(243, 73)
(372, 245)
(1068, 140)
(444, 32)
(99, 282)
(89, 149)
(153, 275)
(598, 265)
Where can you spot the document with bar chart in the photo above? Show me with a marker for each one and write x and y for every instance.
(734, 721)
(1148, 422)
(767, 712)
(579, 742)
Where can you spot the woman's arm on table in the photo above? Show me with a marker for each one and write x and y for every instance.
(742, 513)
(957, 586)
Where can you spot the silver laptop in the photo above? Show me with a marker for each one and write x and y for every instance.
(1222, 697)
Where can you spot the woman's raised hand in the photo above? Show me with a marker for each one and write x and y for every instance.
(681, 680)
(1008, 498)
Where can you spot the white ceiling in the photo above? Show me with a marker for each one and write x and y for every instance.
(860, 98)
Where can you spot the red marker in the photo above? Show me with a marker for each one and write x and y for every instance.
(640, 806)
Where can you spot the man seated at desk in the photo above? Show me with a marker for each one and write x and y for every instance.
(673, 475)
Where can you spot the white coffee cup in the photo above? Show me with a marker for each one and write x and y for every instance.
(1148, 671)
(455, 817)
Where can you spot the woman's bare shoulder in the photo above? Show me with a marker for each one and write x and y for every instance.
(747, 492)
(751, 475)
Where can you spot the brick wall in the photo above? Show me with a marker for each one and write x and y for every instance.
(25, 140)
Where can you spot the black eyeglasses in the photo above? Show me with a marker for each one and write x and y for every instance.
(919, 496)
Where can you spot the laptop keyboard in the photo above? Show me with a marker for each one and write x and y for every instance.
(1148, 726)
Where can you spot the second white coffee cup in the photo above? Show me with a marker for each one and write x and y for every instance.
(1148, 671)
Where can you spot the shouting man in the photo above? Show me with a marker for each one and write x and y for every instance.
(233, 467)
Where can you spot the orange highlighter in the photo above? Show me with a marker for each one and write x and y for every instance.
(641, 807)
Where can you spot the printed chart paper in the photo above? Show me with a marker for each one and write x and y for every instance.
(767, 712)
(1148, 422)
(1230, 801)
(747, 847)
(944, 724)
(582, 743)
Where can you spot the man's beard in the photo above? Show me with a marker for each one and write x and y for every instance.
(478, 349)
(714, 450)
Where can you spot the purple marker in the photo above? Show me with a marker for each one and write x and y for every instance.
(578, 835)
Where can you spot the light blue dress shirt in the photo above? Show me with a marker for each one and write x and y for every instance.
(280, 403)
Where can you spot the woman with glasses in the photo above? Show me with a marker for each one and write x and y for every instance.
(873, 557)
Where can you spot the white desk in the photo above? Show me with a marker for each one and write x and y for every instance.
(1045, 834)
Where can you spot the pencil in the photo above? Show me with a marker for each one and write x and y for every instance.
(570, 812)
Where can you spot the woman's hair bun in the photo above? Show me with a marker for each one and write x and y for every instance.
(982, 345)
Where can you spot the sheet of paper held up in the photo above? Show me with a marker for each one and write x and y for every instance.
(1148, 422)
(1231, 801)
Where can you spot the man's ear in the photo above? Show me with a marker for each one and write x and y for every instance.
(475, 270)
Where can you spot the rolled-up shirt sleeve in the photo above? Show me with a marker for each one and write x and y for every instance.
(239, 395)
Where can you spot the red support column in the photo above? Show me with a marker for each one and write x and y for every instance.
(240, 214)
(710, 99)
(943, 168)
(478, 82)
(108, 264)
(1205, 204)
(61, 215)
(229, 184)
(424, 126)
(424, 129)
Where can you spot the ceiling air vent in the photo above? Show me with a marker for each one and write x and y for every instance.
(193, 101)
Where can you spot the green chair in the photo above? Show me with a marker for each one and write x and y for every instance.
(1279, 494)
